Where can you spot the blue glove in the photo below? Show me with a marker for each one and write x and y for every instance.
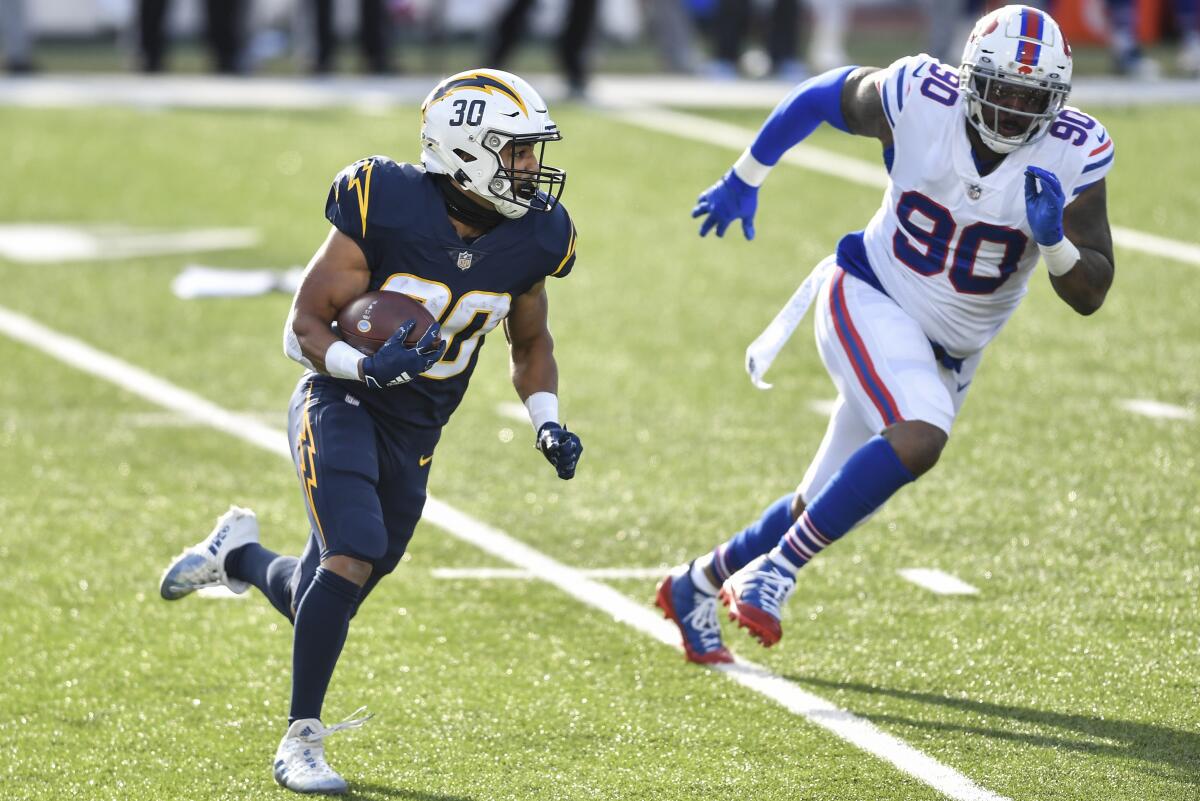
(729, 199)
(1045, 208)
(395, 363)
(560, 447)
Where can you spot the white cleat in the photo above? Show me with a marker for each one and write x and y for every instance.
(203, 564)
(300, 759)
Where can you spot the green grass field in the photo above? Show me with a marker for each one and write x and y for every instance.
(1073, 674)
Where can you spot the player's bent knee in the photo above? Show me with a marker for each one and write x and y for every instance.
(918, 444)
(348, 567)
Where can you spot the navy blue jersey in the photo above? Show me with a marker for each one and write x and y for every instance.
(396, 214)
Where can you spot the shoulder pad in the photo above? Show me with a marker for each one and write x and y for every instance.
(902, 84)
(1087, 150)
(371, 193)
(556, 235)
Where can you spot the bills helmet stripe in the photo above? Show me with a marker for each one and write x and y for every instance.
(1032, 26)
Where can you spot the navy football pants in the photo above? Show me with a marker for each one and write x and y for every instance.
(363, 482)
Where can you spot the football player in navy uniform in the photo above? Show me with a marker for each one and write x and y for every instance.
(473, 234)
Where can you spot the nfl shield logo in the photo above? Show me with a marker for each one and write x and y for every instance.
(464, 260)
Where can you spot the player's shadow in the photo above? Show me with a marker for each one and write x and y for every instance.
(361, 791)
(1171, 753)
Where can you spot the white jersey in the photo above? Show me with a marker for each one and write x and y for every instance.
(950, 247)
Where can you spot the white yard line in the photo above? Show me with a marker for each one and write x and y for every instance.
(221, 594)
(937, 581)
(573, 582)
(375, 95)
(513, 410)
(856, 171)
(1157, 409)
(37, 243)
(822, 406)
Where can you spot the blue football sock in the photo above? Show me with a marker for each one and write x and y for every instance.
(322, 620)
(869, 477)
(756, 539)
(267, 570)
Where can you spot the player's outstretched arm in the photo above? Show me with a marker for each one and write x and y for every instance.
(336, 275)
(1075, 240)
(845, 98)
(535, 377)
(735, 195)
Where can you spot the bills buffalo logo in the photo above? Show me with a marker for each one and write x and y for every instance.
(480, 81)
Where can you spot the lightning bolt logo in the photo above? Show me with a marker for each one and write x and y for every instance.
(476, 80)
(362, 186)
(306, 462)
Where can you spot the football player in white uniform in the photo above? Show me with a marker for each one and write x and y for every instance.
(988, 171)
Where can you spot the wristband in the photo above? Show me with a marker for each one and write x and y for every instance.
(750, 169)
(543, 408)
(341, 361)
(1060, 257)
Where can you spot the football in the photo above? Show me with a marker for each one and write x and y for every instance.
(367, 321)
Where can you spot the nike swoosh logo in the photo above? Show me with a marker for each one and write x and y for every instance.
(961, 387)
(505, 114)
(424, 460)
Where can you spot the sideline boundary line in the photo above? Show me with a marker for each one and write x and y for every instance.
(865, 173)
(851, 728)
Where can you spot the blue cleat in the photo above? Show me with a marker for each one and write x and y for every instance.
(755, 596)
(203, 564)
(695, 613)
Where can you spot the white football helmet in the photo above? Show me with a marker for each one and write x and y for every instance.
(1016, 75)
(468, 119)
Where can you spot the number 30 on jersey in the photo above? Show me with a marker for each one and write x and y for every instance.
(475, 314)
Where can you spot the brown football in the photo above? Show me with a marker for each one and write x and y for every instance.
(367, 321)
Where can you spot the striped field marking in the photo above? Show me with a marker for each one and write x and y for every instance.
(221, 593)
(573, 582)
(822, 406)
(39, 243)
(937, 581)
(1156, 409)
(513, 410)
(848, 168)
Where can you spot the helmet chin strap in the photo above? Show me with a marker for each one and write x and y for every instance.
(1001, 148)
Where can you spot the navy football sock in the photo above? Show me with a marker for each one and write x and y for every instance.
(869, 477)
(322, 620)
(756, 539)
(267, 570)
